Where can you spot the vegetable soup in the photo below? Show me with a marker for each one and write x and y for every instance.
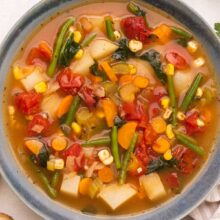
(111, 108)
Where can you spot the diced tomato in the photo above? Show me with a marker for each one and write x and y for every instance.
(136, 167)
(136, 28)
(191, 124)
(69, 82)
(88, 96)
(159, 92)
(28, 102)
(149, 135)
(172, 180)
(187, 159)
(38, 125)
(154, 110)
(177, 60)
(73, 150)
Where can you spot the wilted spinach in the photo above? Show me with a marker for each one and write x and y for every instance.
(96, 71)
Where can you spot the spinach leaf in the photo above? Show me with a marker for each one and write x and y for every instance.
(119, 121)
(153, 57)
(43, 157)
(123, 52)
(160, 163)
(68, 50)
(96, 71)
(217, 29)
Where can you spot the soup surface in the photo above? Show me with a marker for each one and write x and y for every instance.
(113, 110)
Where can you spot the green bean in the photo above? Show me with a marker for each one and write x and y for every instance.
(115, 150)
(88, 40)
(127, 157)
(55, 179)
(189, 142)
(181, 33)
(97, 142)
(172, 98)
(72, 111)
(109, 28)
(191, 92)
(57, 46)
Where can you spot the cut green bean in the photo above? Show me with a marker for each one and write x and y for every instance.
(72, 112)
(191, 92)
(88, 40)
(172, 98)
(58, 45)
(181, 32)
(55, 179)
(127, 157)
(189, 142)
(97, 142)
(115, 149)
(109, 28)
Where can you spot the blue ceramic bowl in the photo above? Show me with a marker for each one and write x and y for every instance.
(175, 208)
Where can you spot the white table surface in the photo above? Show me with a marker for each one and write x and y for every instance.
(10, 12)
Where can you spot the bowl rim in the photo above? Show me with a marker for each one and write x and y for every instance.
(39, 202)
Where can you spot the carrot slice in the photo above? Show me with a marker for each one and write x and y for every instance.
(84, 186)
(110, 111)
(45, 50)
(109, 72)
(106, 174)
(125, 134)
(125, 79)
(64, 106)
(163, 32)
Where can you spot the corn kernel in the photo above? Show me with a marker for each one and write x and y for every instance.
(199, 93)
(181, 116)
(169, 131)
(168, 155)
(29, 117)
(50, 165)
(200, 122)
(40, 87)
(100, 113)
(18, 73)
(79, 54)
(117, 35)
(169, 69)
(103, 155)
(199, 62)
(77, 36)
(165, 101)
(133, 69)
(58, 164)
(192, 46)
(11, 110)
(76, 128)
(108, 161)
(168, 112)
(135, 45)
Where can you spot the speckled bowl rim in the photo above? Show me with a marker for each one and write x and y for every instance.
(175, 208)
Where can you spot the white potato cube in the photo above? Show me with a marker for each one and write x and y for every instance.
(200, 61)
(70, 184)
(115, 195)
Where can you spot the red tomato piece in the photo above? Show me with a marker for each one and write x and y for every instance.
(38, 125)
(136, 28)
(88, 96)
(154, 110)
(69, 83)
(73, 150)
(159, 92)
(172, 180)
(28, 102)
(177, 60)
(149, 135)
(136, 167)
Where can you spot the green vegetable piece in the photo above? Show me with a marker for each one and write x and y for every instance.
(121, 68)
(43, 156)
(97, 142)
(72, 111)
(95, 187)
(191, 92)
(127, 157)
(217, 29)
(58, 45)
(182, 33)
(109, 28)
(55, 179)
(88, 40)
(94, 69)
(209, 95)
(154, 58)
(182, 41)
(172, 95)
(119, 122)
(110, 88)
(189, 142)
(115, 149)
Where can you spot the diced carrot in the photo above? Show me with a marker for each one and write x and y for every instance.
(159, 125)
(95, 79)
(141, 82)
(64, 106)
(125, 79)
(45, 50)
(84, 186)
(34, 145)
(110, 111)
(106, 174)
(109, 72)
(59, 143)
(161, 145)
(33, 54)
(86, 24)
(125, 134)
(163, 32)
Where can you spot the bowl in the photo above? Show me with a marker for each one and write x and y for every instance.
(175, 208)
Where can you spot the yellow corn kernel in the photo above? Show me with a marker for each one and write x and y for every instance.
(168, 112)
(133, 69)
(18, 73)
(50, 165)
(200, 122)
(165, 101)
(77, 36)
(117, 35)
(40, 87)
(161, 145)
(159, 125)
(29, 117)
(76, 128)
(11, 110)
(192, 46)
(135, 45)
(99, 113)
(79, 54)
(141, 82)
(199, 93)
(168, 155)
(169, 131)
(58, 164)
(169, 69)
(181, 116)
